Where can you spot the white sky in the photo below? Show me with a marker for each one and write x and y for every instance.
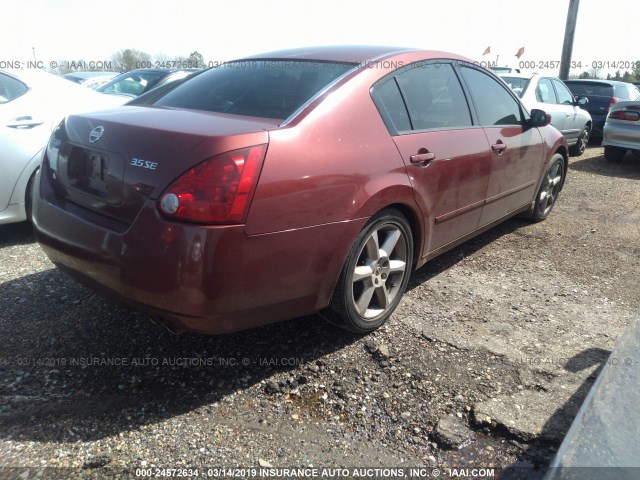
(221, 30)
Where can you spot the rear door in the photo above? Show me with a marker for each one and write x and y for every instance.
(24, 129)
(447, 157)
(516, 151)
(548, 101)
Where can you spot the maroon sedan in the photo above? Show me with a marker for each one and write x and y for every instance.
(290, 183)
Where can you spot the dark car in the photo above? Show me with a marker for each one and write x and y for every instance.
(137, 82)
(84, 78)
(294, 182)
(602, 94)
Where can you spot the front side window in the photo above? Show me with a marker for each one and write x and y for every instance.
(494, 104)
(10, 88)
(565, 97)
(256, 88)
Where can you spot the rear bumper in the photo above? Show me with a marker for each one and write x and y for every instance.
(210, 279)
(622, 136)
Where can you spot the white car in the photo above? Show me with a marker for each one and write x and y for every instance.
(554, 97)
(32, 103)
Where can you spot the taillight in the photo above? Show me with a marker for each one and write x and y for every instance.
(217, 190)
(612, 102)
(625, 115)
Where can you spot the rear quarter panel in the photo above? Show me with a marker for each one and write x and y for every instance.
(337, 163)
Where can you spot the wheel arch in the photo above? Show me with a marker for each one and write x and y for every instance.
(401, 198)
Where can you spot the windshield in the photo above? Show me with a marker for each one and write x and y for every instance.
(257, 88)
(517, 84)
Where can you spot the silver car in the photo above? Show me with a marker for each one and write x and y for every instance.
(552, 95)
(622, 130)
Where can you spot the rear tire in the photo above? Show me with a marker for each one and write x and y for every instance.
(614, 154)
(375, 274)
(549, 189)
(581, 144)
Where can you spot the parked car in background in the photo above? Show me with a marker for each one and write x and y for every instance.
(602, 94)
(501, 70)
(32, 103)
(290, 183)
(137, 82)
(622, 130)
(552, 95)
(90, 80)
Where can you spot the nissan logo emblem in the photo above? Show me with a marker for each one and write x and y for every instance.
(95, 134)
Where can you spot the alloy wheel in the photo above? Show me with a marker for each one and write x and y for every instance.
(550, 188)
(379, 271)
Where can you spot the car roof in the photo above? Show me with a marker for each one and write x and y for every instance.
(596, 80)
(336, 53)
(517, 75)
(88, 75)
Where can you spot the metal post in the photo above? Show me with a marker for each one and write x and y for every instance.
(569, 32)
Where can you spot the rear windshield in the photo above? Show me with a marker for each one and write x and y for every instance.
(10, 88)
(133, 83)
(587, 88)
(256, 88)
(517, 84)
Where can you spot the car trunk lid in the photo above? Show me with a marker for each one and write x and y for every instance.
(113, 161)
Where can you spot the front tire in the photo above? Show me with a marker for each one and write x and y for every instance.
(549, 189)
(614, 154)
(581, 144)
(375, 274)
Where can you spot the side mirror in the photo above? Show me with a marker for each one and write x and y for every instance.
(581, 101)
(539, 118)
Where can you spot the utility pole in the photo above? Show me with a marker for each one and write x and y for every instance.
(569, 32)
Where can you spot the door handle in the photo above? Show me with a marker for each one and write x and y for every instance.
(499, 147)
(422, 158)
(23, 122)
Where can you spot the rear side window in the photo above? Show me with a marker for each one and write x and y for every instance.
(494, 104)
(635, 93)
(256, 88)
(10, 88)
(545, 92)
(434, 97)
(391, 106)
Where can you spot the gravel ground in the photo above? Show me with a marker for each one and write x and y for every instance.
(485, 363)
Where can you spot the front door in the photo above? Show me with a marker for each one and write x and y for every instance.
(516, 150)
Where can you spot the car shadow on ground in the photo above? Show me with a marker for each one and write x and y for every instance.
(542, 451)
(75, 366)
(16, 234)
(448, 259)
(629, 167)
